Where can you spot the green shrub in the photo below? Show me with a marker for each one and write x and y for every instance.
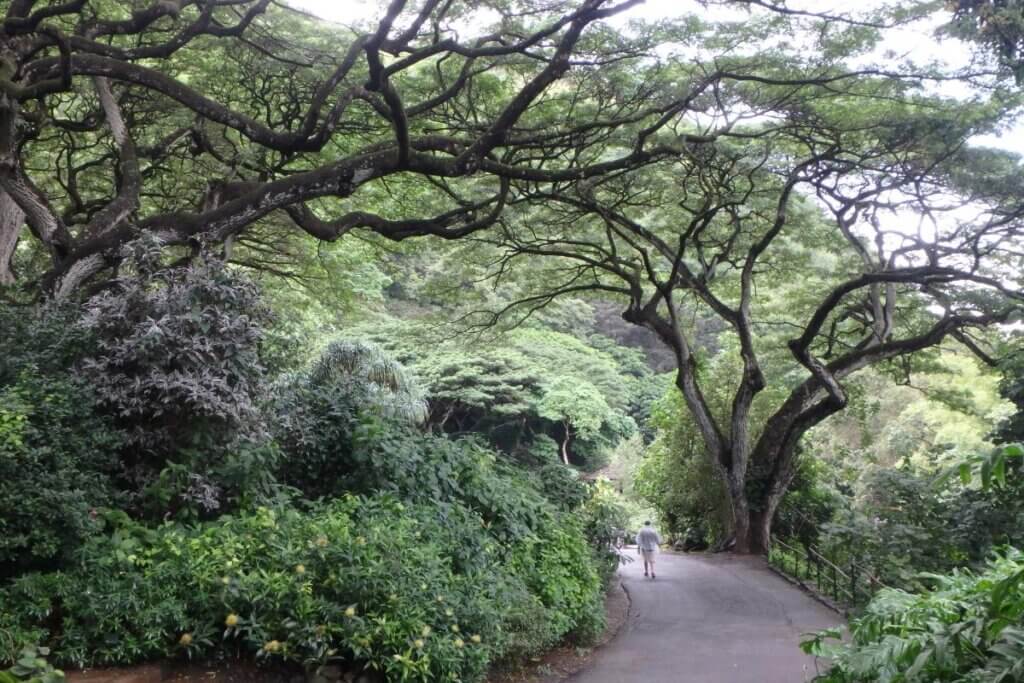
(332, 445)
(421, 591)
(31, 666)
(557, 566)
(175, 362)
(56, 465)
(969, 629)
(58, 457)
(912, 521)
(604, 519)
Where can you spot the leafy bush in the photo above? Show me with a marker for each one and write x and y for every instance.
(338, 431)
(57, 460)
(420, 556)
(418, 592)
(58, 457)
(970, 629)
(326, 419)
(176, 362)
(561, 485)
(912, 522)
(556, 565)
(31, 666)
(605, 519)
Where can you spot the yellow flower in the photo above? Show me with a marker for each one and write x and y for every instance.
(272, 646)
(322, 541)
(351, 611)
(455, 628)
(185, 640)
(458, 642)
(397, 657)
(418, 643)
(300, 569)
(231, 620)
(475, 638)
(360, 540)
(440, 598)
(225, 580)
(449, 613)
(426, 631)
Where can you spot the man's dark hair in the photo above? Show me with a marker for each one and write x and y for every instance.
(647, 523)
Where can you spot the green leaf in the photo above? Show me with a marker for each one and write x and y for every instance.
(965, 473)
(1002, 590)
(1014, 450)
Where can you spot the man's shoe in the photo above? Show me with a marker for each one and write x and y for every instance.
(654, 576)
(645, 574)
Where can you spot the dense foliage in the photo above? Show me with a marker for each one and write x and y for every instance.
(316, 342)
(176, 364)
(157, 505)
(910, 522)
(58, 456)
(411, 590)
(525, 385)
(966, 629)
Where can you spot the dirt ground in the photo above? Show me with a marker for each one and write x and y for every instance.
(158, 673)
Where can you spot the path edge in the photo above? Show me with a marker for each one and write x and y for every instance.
(832, 605)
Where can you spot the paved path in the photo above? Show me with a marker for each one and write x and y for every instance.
(710, 619)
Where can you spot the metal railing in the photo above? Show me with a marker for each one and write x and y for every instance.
(851, 585)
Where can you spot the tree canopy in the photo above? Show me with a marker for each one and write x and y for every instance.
(778, 171)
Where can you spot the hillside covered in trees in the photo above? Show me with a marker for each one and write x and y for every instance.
(357, 347)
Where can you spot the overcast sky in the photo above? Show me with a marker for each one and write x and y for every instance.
(917, 42)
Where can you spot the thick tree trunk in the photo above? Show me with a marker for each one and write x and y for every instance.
(752, 519)
(740, 513)
(752, 528)
(565, 446)
(11, 220)
(759, 539)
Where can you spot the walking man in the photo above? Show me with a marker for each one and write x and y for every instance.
(647, 542)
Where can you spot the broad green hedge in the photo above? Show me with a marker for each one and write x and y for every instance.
(418, 592)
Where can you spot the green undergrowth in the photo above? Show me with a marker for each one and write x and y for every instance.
(968, 629)
(416, 592)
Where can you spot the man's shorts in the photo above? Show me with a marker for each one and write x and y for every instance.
(648, 556)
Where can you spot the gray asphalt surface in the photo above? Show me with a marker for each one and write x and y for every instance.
(710, 619)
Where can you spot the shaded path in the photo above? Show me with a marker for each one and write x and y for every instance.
(710, 619)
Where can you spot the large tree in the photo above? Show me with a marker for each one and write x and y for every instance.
(235, 121)
(684, 162)
(834, 219)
